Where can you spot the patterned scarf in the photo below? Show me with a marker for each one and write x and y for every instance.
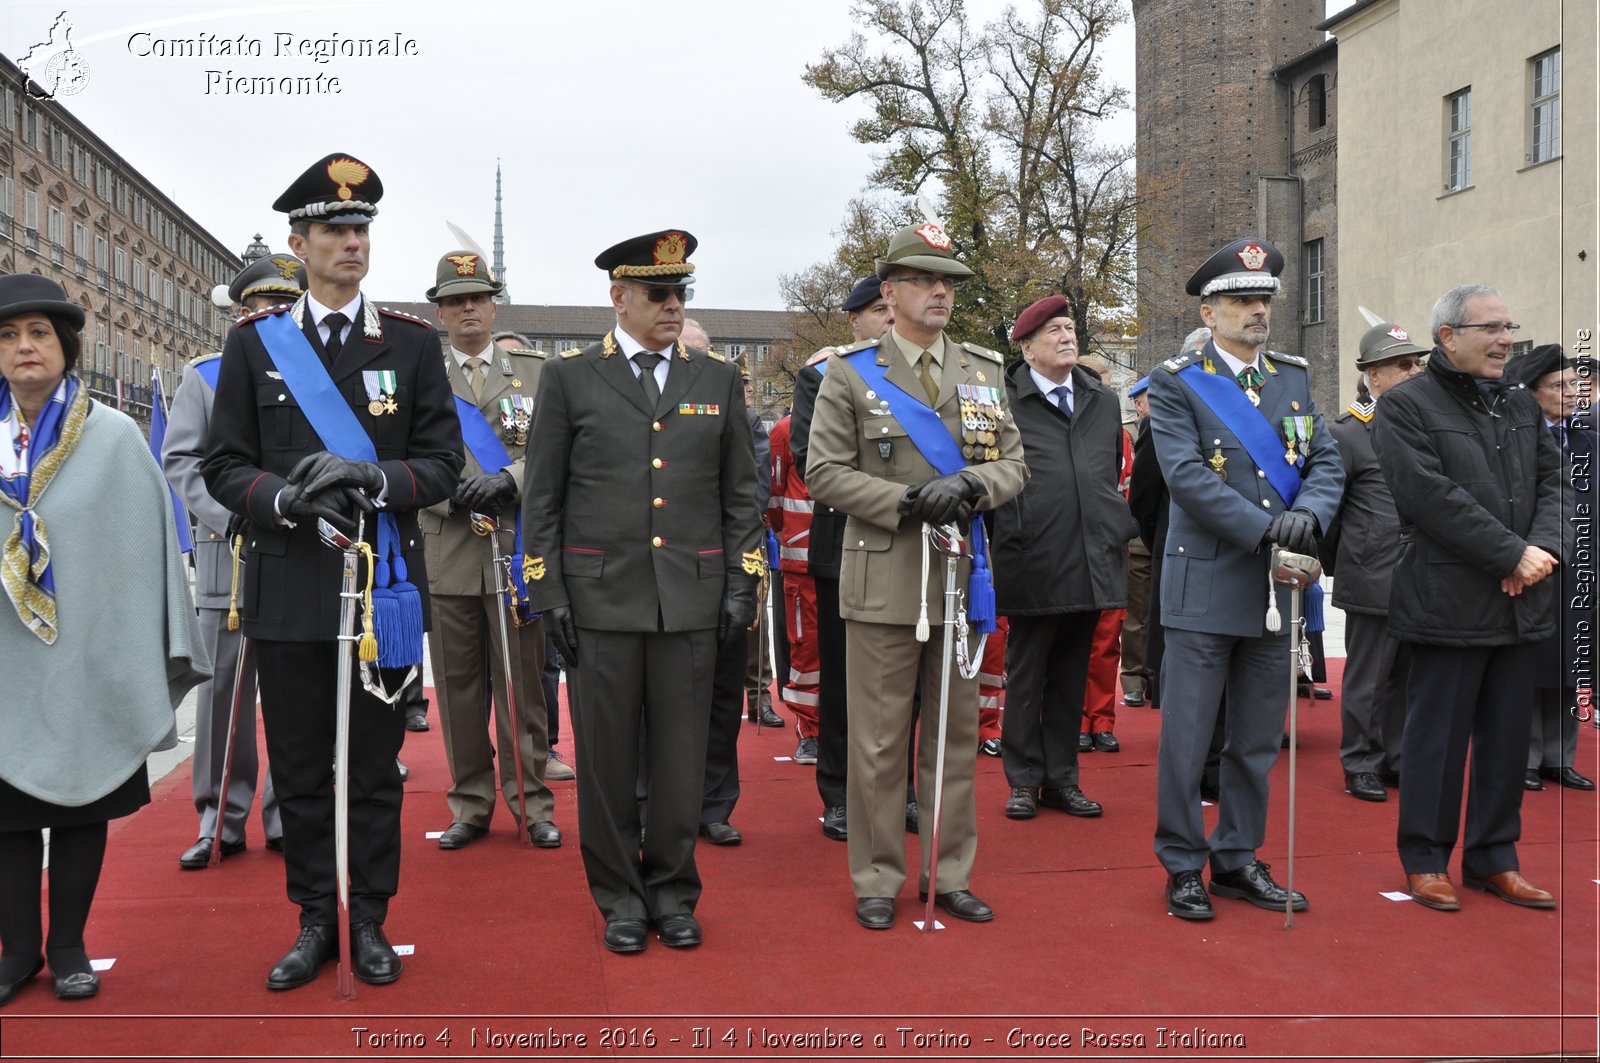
(30, 457)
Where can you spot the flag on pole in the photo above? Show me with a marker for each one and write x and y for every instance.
(158, 435)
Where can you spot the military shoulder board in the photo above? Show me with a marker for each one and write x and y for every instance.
(527, 352)
(716, 357)
(281, 308)
(1291, 359)
(1363, 410)
(859, 345)
(572, 352)
(1179, 361)
(402, 315)
(984, 352)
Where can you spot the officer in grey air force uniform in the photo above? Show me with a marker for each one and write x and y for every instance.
(1225, 460)
(265, 282)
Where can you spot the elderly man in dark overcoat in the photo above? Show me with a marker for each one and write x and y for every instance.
(1060, 556)
(1477, 480)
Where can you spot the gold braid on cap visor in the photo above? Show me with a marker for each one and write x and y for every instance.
(660, 269)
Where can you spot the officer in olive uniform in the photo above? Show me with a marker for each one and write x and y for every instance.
(1248, 463)
(266, 462)
(265, 282)
(494, 392)
(643, 549)
(862, 462)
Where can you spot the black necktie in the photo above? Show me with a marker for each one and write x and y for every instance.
(1559, 430)
(336, 323)
(647, 362)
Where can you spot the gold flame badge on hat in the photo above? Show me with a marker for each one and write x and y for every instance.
(670, 249)
(346, 173)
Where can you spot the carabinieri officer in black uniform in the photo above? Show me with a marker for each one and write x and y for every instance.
(381, 378)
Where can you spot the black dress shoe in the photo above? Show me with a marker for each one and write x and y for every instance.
(400, 766)
(678, 931)
(1085, 742)
(1531, 780)
(1307, 690)
(275, 845)
(626, 935)
(371, 955)
(721, 833)
(460, 835)
(875, 913)
(416, 721)
(77, 986)
(989, 747)
(913, 818)
(198, 855)
(835, 824)
(1186, 896)
(770, 718)
(1567, 777)
(962, 905)
(315, 946)
(545, 835)
(1106, 742)
(1023, 803)
(1071, 800)
(1134, 699)
(1365, 786)
(1253, 883)
(9, 986)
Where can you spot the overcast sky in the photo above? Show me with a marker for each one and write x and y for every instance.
(610, 118)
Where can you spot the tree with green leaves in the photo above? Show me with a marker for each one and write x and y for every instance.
(998, 127)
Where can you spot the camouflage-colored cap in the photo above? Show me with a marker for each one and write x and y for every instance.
(924, 246)
(462, 273)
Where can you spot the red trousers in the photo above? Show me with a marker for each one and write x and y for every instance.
(992, 682)
(1105, 662)
(800, 691)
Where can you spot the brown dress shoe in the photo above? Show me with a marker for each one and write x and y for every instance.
(1434, 891)
(1511, 886)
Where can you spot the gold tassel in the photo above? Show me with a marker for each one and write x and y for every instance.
(233, 592)
(368, 648)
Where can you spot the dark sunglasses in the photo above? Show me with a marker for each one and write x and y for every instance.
(658, 293)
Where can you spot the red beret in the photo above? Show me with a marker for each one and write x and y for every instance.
(1029, 321)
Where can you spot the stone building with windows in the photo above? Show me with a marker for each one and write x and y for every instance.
(1468, 162)
(75, 211)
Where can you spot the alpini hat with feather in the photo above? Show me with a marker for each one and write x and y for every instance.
(340, 189)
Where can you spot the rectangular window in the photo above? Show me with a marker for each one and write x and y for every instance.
(1545, 113)
(1458, 141)
(57, 235)
(1315, 278)
(119, 260)
(102, 345)
(8, 189)
(8, 119)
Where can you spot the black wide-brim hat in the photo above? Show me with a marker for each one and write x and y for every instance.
(25, 293)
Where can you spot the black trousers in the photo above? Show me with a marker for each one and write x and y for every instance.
(833, 715)
(1047, 669)
(662, 681)
(299, 707)
(1477, 696)
(722, 737)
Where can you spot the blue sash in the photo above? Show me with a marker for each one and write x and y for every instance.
(208, 371)
(1227, 400)
(490, 454)
(928, 434)
(397, 605)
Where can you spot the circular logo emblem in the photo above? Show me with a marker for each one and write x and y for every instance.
(65, 74)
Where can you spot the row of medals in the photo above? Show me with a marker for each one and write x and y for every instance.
(980, 430)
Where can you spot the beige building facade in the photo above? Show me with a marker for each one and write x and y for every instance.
(1468, 155)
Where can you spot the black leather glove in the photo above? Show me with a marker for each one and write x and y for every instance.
(738, 604)
(1295, 530)
(322, 470)
(299, 505)
(559, 625)
(488, 493)
(945, 498)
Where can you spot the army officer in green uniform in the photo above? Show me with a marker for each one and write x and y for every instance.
(641, 538)
(865, 461)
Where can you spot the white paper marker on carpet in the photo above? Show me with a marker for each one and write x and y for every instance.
(434, 835)
(102, 965)
(1395, 896)
(405, 950)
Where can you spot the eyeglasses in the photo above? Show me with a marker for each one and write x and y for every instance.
(658, 293)
(927, 281)
(1492, 328)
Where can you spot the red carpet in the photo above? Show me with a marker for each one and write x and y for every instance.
(1081, 961)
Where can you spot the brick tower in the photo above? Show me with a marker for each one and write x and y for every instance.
(1214, 141)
